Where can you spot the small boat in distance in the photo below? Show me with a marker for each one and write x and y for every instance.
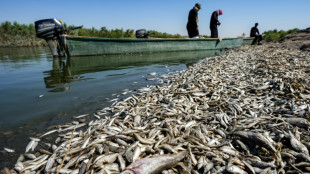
(55, 35)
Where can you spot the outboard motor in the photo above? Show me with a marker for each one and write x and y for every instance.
(53, 32)
(142, 33)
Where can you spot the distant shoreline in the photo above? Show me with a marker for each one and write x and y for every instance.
(20, 41)
(11, 41)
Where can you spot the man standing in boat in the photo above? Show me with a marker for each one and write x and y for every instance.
(255, 33)
(192, 26)
(214, 22)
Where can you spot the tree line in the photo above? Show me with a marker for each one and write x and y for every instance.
(116, 33)
(16, 29)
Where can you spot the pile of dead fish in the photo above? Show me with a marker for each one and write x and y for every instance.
(244, 112)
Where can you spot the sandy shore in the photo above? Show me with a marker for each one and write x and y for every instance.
(244, 112)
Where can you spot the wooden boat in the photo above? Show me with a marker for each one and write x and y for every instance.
(49, 29)
(86, 46)
(248, 40)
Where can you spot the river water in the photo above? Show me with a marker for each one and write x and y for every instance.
(38, 91)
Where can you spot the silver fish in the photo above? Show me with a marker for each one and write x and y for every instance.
(297, 145)
(235, 169)
(9, 150)
(155, 164)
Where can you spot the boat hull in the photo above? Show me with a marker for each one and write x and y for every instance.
(248, 41)
(86, 46)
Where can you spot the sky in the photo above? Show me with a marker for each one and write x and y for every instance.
(168, 16)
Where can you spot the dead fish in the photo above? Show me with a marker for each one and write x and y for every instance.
(257, 137)
(136, 153)
(235, 169)
(208, 167)
(96, 116)
(243, 146)
(297, 145)
(31, 145)
(80, 116)
(300, 122)
(229, 150)
(122, 162)
(105, 159)
(83, 167)
(262, 164)
(194, 161)
(199, 94)
(129, 153)
(201, 162)
(263, 87)
(84, 144)
(152, 73)
(155, 164)
(50, 163)
(9, 150)
(6, 171)
(145, 90)
(50, 132)
(250, 168)
(144, 141)
(151, 79)
(38, 160)
(300, 156)
(30, 156)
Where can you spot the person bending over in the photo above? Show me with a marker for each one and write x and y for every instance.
(214, 22)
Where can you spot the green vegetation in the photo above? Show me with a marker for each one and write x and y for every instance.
(156, 34)
(16, 29)
(117, 33)
(15, 34)
(103, 32)
(275, 35)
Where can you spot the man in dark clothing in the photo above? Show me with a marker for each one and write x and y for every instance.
(214, 22)
(192, 26)
(255, 33)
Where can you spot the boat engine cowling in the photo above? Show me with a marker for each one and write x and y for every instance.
(53, 32)
(142, 33)
(48, 28)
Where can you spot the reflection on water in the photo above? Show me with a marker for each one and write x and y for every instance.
(22, 53)
(69, 86)
(59, 78)
(69, 70)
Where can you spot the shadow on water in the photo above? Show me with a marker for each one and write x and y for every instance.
(71, 86)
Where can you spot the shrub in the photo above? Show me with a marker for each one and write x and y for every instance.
(275, 35)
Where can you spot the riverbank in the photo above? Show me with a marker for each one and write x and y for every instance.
(299, 40)
(20, 41)
(246, 111)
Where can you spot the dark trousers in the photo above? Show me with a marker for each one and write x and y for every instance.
(214, 32)
(192, 31)
(258, 38)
